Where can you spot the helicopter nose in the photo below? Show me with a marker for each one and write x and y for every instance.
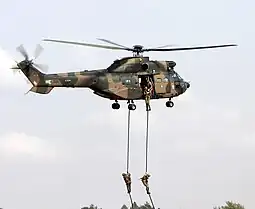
(187, 85)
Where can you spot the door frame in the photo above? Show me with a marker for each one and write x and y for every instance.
(140, 76)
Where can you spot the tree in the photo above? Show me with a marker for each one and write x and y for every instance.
(92, 206)
(146, 206)
(135, 206)
(124, 207)
(230, 205)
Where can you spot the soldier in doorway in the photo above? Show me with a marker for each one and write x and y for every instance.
(147, 91)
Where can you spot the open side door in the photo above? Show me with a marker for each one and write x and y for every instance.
(161, 84)
(142, 82)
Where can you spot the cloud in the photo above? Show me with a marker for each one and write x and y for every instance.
(20, 145)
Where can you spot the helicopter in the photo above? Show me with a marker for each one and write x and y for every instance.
(122, 80)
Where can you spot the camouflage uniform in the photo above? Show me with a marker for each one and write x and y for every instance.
(145, 182)
(147, 93)
(127, 179)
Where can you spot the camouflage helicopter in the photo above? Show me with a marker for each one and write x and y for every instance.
(122, 80)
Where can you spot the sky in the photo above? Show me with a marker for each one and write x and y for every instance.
(67, 149)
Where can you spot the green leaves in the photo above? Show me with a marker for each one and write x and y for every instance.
(230, 205)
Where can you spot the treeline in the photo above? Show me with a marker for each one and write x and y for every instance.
(228, 205)
(135, 206)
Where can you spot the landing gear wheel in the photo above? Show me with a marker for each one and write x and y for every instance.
(115, 106)
(131, 106)
(169, 104)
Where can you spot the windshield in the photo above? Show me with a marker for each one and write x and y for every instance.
(176, 76)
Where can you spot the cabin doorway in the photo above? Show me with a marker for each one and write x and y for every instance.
(143, 81)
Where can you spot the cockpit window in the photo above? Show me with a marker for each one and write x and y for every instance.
(175, 75)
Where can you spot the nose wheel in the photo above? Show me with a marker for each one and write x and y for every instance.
(115, 105)
(169, 103)
(131, 106)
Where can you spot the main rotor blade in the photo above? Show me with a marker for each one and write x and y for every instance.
(22, 50)
(170, 45)
(86, 44)
(110, 42)
(190, 48)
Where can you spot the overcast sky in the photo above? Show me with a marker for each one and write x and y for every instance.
(67, 149)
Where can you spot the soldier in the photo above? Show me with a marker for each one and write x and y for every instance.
(149, 83)
(145, 182)
(147, 98)
(147, 93)
(127, 179)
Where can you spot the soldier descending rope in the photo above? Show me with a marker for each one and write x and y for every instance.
(147, 87)
(127, 179)
(145, 181)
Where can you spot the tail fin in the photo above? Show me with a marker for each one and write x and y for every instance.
(29, 69)
(35, 77)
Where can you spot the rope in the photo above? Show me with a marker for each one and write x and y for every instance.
(147, 142)
(151, 201)
(128, 140)
(146, 155)
(128, 148)
(131, 200)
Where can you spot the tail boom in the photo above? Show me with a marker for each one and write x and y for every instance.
(70, 79)
(44, 83)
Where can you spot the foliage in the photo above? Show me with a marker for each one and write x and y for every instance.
(124, 207)
(135, 206)
(230, 205)
(92, 206)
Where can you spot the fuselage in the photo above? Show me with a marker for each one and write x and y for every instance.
(119, 86)
(117, 82)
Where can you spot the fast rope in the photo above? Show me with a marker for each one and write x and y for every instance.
(127, 177)
(146, 157)
(128, 140)
(147, 143)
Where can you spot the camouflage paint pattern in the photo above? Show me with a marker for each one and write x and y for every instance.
(120, 81)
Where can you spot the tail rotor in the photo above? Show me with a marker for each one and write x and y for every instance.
(27, 62)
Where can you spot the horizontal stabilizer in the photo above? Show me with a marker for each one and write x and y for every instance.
(40, 90)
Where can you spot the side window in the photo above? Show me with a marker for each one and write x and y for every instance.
(159, 80)
(126, 81)
(165, 80)
(116, 78)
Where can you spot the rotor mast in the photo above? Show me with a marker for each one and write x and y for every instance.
(137, 50)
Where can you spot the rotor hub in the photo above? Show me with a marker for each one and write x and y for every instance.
(137, 50)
